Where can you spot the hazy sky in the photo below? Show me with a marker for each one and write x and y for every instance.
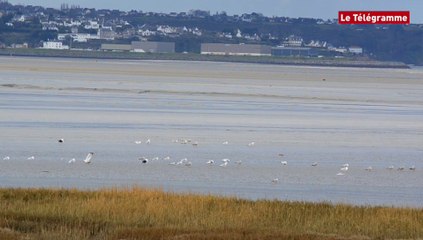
(291, 8)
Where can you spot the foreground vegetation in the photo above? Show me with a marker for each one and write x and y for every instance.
(153, 214)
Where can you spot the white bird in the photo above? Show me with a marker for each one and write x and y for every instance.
(345, 165)
(155, 159)
(72, 160)
(275, 180)
(148, 141)
(226, 160)
(284, 162)
(412, 168)
(314, 164)
(172, 163)
(188, 164)
(251, 144)
(31, 158)
(239, 162)
(166, 158)
(61, 140)
(6, 158)
(369, 169)
(138, 142)
(224, 164)
(87, 160)
(390, 167)
(225, 143)
(182, 161)
(344, 169)
(210, 162)
(340, 174)
(143, 159)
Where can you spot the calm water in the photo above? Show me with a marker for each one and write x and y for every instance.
(107, 123)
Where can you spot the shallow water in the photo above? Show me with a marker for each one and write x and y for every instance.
(378, 124)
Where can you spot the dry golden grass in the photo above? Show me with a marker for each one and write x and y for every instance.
(153, 214)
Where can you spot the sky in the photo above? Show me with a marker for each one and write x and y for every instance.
(325, 9)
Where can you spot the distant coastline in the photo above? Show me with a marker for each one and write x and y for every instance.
(324, 62)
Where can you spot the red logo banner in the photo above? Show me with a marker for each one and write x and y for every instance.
(374, 17)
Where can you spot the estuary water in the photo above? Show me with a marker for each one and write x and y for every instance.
(328, 117)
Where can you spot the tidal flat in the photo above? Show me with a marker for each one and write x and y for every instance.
(328, 117)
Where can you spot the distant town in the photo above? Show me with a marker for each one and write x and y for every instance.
(76, 28)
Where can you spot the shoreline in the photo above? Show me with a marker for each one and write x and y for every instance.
(350, 63)
(146, 189)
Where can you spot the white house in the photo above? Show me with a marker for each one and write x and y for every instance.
(355, 50)
(92, 25)
(54, 45)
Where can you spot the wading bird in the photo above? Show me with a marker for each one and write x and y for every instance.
(344, 169)
(87, 160)
(224, 164)
(143, 159)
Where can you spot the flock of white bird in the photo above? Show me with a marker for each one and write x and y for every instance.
(184, 161)
(223, 163)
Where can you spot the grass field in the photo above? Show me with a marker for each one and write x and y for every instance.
(153, 214)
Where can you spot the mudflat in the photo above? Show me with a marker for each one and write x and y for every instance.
(370, 119)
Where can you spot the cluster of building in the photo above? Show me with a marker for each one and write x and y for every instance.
(292, 46)
(222, 49)
(76, 26)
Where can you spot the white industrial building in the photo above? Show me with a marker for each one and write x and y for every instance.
(78, 37)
